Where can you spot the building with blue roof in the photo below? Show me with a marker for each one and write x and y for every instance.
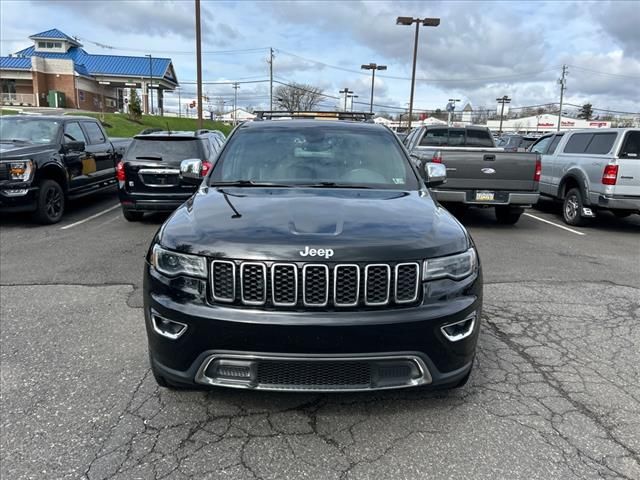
(56, 71)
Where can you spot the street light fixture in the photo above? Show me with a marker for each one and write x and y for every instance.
(352, 97)
(408, 21)
(373, 67)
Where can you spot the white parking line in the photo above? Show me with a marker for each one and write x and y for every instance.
(555, 224)
(96, 215)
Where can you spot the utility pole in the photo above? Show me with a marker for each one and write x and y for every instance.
(236, 86)
(563, 86)
(199, 64)
(346, 92)
(271, 56)
(502, 100)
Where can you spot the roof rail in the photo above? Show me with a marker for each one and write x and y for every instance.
(314, 115)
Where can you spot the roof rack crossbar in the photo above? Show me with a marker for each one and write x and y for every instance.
(313, 115)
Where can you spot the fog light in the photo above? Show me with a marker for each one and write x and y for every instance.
(239, 370)
(16, 193)
(454, 332)
(167, 328)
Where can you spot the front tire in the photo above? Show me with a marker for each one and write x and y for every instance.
(508, 215)
(50, 203)
(132, 216)
(572, 208)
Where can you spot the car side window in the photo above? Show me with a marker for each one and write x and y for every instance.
(578, 143)
(478, 138)
(601, 143)
(631, 146)
(541, 145)
(94, 132)
(73, 133)
(554, 144)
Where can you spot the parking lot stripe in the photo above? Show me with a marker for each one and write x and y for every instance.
(555, 224)
(95, 215)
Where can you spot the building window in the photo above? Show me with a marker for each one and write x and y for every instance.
(42, 45)
(57, 44)
(81, 95)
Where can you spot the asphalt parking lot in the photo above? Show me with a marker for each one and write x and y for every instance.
(555, 391)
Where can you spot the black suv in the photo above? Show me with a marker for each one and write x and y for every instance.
(149, 174)
(312, 258)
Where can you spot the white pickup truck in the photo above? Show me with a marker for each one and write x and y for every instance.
(591, 171)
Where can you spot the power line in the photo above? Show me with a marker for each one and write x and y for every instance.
(604, 73)
(172, 52)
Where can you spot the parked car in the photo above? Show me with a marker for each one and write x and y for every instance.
(478, 172)
(516, 143)
(149, 173)
(47, 160)
(590, 171)
(312, 258)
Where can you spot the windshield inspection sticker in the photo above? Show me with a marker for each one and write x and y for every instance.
(398, 181)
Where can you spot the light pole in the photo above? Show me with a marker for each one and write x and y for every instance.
(502, 100)
(346, 92)
(427, 22)
(149, 91)
(198, 64)
(352, 97)
(373, 67)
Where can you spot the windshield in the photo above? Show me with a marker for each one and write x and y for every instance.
(29, 130)
(315, 155)
(167, 151)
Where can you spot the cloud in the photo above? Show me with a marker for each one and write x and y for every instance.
(619, 20)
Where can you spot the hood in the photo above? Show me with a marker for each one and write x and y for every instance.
(280, 223)
(20, 150)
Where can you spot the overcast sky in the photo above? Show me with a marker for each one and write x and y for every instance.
(480, 51)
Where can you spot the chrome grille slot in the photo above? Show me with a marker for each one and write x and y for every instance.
(253, 283)
(346, 285)
(315, 285)
(284, 284)
(297, 285)
(223, 280)
(406, 282)
(377, 283)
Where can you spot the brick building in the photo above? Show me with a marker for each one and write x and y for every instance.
(56, 71)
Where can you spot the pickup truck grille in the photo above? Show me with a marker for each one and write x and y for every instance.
(314, 285)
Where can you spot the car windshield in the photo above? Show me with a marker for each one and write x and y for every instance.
(170, 151)
(28, 130)
(318, 155)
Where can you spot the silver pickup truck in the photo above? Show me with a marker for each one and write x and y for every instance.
(590, 171)
(478, 173)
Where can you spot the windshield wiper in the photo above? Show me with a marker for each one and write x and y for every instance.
(13, 140)
(333, 185)
(248, 183)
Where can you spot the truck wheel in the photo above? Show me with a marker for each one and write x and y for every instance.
(508, 215)
(50, 205)
(572, 208)
(132, 216)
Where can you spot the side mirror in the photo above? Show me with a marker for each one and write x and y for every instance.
(191, 171)
(73, 146)
(435, 174)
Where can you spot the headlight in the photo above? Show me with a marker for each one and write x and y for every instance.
(20, 171)
(173, 263)
(455, 267)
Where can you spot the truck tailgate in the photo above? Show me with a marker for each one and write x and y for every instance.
(489, 170)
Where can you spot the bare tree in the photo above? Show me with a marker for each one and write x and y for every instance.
(297, 97)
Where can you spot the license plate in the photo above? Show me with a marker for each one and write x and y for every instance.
(485, 196)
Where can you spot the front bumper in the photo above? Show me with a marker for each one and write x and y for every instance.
(26, 202)
(409, 338)
(504, 198)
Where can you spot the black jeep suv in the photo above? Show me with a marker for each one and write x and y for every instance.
(149, 173)
(312, 258)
